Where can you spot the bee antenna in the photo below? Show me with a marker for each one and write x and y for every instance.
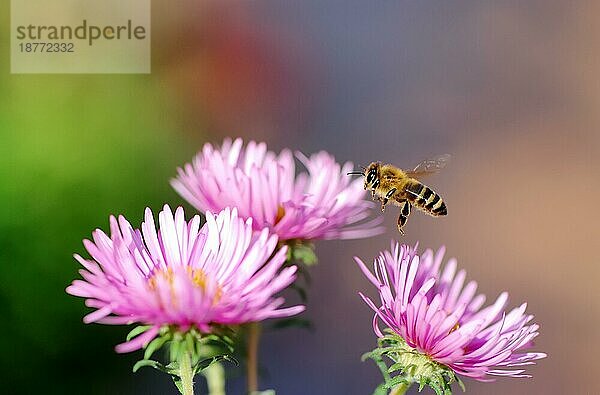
(356, 173)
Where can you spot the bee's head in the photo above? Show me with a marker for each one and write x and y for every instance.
(372, 176)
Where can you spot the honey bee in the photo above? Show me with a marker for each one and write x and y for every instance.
(401, 187)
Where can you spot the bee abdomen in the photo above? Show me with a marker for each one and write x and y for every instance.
(425, 199)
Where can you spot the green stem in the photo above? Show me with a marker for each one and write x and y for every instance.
(400, 389)
(252, 357)
(384, 369)
(215, 378)
(185, 373)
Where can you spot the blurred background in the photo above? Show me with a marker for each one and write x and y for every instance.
(510, 89)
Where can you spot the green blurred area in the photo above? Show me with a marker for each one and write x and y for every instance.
(74, 149)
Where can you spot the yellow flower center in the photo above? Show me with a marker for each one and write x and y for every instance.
(280, 214)
(166, 274)
(198, 277)
(455, 327)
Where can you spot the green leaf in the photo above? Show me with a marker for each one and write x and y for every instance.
(304, 253)
(220, 342)
(369, 355)
(231, 358)
(172, 368)
(396, 381)
(409, 366)
(174, 348)
(203, 364)
(149, 363)
(178, 384)
(138, 330)
(422, 383)
(153, 346)
(396, 367)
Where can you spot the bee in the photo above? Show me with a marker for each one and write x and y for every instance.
(389, 183)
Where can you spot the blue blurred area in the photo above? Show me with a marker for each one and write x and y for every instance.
(508, 88)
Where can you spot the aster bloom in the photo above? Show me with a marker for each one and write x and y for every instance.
(322, 204)
(183, 275)
(437, 327)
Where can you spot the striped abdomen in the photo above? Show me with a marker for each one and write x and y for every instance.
(425, 198)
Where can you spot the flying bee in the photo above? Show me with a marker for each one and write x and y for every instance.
(401, 187)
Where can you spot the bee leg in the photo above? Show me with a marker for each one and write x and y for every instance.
(390, 193)
(403, 217)
(387, 197)
(384, 201)
(373, 194)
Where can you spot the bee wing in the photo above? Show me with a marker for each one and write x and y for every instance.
(430, 166)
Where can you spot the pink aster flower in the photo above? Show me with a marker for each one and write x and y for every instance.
(322, 204)
(182, 274)
(441, 318)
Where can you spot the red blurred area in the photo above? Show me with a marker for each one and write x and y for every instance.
(235, 77)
